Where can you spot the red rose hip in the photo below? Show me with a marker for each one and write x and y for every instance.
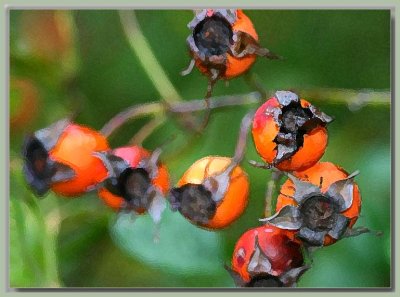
(267, 257)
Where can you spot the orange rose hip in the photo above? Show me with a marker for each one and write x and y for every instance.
(60, 157)
(212, 193)
(321, 203)
(289, 133)
(224, 43)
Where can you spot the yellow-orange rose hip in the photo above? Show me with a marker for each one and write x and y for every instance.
(212, 193)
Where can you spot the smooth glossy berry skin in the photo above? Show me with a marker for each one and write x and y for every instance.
(289, 133)
(324, 195)
(224, 43)
(135, 160)
(61, 158)
(210, 194)
(267, 256)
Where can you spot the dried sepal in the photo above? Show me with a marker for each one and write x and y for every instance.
(320, 214)
(50, 135)
(157, 207)
(132, 181)
(194, 202)
(289, 218)
(342, 191)
(294, 120)
(291, 277)
(62, 173)
(304, 189)
(259, 262)
(40, 169)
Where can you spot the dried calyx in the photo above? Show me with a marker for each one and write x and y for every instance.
(194, 202)
(39, 168)
(213, 35)
(294, 122)
(132, 184)
(265, 280)
(199, 202)
(213, 38)
(319, 213)
(316, 214)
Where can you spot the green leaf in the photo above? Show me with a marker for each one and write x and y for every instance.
(182, 248)
(31, 245)
(79, 235)
(21, 275)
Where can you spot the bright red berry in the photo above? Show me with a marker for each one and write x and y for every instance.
(267, 257)
(60, 157)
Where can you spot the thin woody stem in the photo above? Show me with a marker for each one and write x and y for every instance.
(147, 129)
(133, 112)
(206, 119)
(152, 108)
(142, 49)
(242, 139)
(276, 176)
(254, 82)
(155, 108)
(240, 149)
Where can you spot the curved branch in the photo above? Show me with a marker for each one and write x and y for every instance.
(347, 96)
(133, 112)
(155, 108)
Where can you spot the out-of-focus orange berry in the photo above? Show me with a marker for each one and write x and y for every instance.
(61, 157)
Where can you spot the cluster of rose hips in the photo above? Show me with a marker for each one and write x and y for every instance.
(317, 205)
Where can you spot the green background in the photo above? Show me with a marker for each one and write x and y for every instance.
(79, 242)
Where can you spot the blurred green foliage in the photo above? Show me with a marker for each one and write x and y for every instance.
(80, 61)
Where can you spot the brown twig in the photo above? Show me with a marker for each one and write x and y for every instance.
(206, 119)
